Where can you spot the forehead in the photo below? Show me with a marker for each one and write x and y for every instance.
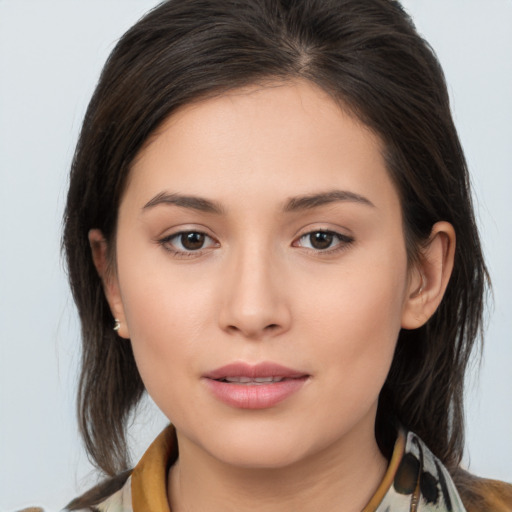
(277, 140)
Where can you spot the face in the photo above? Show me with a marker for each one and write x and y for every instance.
(262, 274)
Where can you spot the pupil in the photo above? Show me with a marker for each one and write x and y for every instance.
(192, 241)
(321, 240)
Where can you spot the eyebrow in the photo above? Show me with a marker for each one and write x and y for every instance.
(293, 204)
(192, 202)
(315, 200)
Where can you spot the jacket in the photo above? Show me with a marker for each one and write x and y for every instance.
(415, 481)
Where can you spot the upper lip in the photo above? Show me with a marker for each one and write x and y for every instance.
(254, 371)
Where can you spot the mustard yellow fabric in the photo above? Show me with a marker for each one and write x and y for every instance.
(415, 481)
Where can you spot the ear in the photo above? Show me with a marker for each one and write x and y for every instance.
(99, 249)
(429, 277)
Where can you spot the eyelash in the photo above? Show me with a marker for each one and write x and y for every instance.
(343, 242)
(166, 243)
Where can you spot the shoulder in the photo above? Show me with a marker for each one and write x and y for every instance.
(482, 494)
(456, 490)
(430, 481)
(112, 495)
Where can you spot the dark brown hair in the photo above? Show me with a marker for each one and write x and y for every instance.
(368, 56)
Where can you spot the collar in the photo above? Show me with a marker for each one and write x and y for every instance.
(415, 479)
(149, 477)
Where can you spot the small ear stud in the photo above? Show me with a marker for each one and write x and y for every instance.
(117, 324)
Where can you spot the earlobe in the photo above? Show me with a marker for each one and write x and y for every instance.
(99, 251)
(430, 276)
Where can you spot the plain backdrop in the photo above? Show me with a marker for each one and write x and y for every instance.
(51, 53)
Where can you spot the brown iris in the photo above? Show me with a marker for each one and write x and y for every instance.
(192, 241)
(321, 239)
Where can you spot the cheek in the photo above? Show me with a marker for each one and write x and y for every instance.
(355, 316)
(165, 315)
(167, 336)
(158, 315)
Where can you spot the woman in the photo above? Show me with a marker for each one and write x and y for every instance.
(270, 202)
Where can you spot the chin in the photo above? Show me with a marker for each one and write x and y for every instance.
(262, 444)
(259, 454)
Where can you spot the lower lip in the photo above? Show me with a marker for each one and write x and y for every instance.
(254, 396)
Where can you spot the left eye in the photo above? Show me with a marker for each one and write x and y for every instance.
(323, 240)
(189, 241)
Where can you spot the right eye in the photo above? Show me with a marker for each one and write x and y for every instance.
(187, 242)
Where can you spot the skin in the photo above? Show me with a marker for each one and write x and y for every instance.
(261, 290)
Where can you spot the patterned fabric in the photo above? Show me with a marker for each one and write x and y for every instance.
(415, 481)
(421, 483)
(121, 501)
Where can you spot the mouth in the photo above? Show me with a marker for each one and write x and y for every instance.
(260, 386)
(241, 371)
(248, 381)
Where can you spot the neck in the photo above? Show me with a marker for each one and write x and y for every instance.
(342, 477)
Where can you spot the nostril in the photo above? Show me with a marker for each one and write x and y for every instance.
(270, 328)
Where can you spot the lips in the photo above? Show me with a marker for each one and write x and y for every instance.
(259, 386)
(252, 381)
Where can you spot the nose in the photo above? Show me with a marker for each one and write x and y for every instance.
(254, 303)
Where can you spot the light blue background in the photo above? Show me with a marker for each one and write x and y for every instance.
(51, 53)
